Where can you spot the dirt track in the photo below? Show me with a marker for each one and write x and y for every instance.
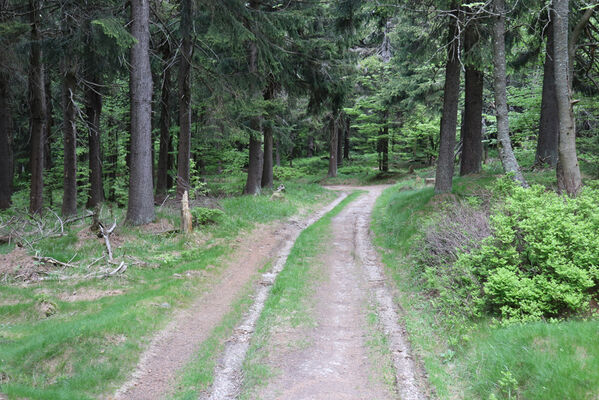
(173, 347)
(336, 363)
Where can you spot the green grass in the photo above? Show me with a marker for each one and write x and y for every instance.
(482, 360)
(287, 303)
(535, 361)
(85, 348)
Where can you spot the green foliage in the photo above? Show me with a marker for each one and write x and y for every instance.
(542, 259)
(281, 173)
(114, 29)
(203, 215)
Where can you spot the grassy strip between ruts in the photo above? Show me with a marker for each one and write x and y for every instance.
(79, 338)
(287, 303)
(541, 360)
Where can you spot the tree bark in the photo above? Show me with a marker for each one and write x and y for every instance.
(37, 106)
(472, 148)
(346, 138)
(278, 152)
(48, 138)
(333, 142)
(6, 153)
(184, 100)
(568, 171)
(93, 112)
(449, 118)
(340, 139)
(69, 85)
(547, 141)
(140, 209)
(164, 125)
(506, 154)
(267, 178)
(310, 146)
(252, 185)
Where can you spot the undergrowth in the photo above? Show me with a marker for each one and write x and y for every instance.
(469, 322)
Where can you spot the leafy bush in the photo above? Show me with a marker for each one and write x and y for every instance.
(282, 173)
(203, 215)
(542, 259)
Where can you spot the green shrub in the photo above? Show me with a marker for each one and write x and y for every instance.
(542, 258)
(282, 173)
(203, 215)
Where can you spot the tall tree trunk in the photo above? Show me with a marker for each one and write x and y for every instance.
(267, 178)
(48, 138)
(346, 138)
(165, 142)
(547, 141)
(140, 209)
(37, 106)
(93, 112)
(449, 118)
(506, 154)
(472, 149)
(278, 152)
(568, 171)
(340, 139)
(184, 100)
(6, 154)
(385, 150)
(252, 185)
(310, 146)
(69, 85)
(333, 142)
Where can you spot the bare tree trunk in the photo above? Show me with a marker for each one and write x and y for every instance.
(165, 124)
(140, 208)
(252, 185)
(93, 111)
(310, 146)
(385, 150)
(506, 154)
(346, 138)
(267, 178)
(278, 152)
(340, 138)
(547, 142)
(69, 84)
(48, 138)
(472, 149)
(333, 142)
(184, 100)
(449, 118)
(37, 105)
(568, 171)
(6, 154)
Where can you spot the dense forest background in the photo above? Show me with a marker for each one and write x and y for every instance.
(132, 102)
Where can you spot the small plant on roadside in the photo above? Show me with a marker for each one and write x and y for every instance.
(203, 215)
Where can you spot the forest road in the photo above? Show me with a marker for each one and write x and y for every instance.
(171, 349)
(334, 358)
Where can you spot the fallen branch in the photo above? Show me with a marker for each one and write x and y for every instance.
(105, 234)
(50, 260)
